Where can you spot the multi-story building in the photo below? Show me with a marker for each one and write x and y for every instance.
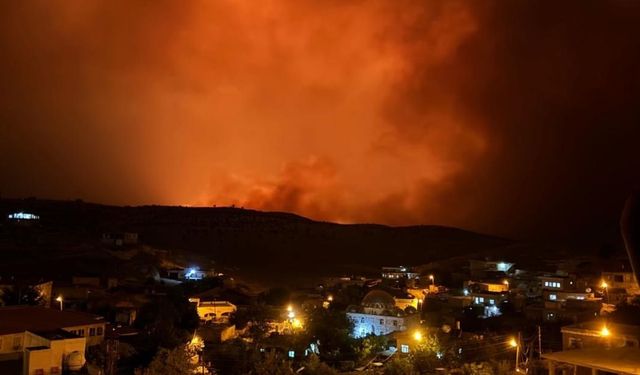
(119, 239)
(565, 297)
(620, 286)
(379, 315)
(47, 341)
(487, 294)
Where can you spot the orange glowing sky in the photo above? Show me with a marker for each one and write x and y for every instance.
(398, 112)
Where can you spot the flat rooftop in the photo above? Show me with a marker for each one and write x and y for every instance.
(623, 360)
(16, 319)
(596, 326)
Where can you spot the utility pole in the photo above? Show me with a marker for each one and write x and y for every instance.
(539, 342)
(112, 356)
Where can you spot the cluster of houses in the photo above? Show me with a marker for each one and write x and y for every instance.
(577, 298)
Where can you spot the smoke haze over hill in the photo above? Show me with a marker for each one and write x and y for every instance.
(514, 118)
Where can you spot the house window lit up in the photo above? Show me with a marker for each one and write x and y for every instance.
(479, 299)
(552, 284)
(404, 348)
(553, 297)
(492, 302)
(292, 353)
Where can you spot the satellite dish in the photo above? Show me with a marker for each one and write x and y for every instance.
(75, 361)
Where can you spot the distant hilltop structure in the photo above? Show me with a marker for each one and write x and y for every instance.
(18, 216)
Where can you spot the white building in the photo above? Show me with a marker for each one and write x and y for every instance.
(213, 311)
(378, 315)
(191, 273)
(400, 272)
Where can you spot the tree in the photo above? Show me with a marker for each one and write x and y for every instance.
(427, 354)
(372, 345)
(21, 295)
(175, 361)
(331, 330)
(314, 366)
(272, 364)
(169, 321)
(233, 357)
(255, 316)
(627, 313)
(399, 366)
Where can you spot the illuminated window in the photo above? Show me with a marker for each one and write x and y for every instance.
(492, 302)
(292, 354)
(404, 348)
(553, 297)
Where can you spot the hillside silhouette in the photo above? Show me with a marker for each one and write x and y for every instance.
(241, 237)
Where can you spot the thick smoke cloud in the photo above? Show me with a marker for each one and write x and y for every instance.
(516, 118)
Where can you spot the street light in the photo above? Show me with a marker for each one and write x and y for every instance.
(60, 299)
(433, 280)
(514, 344)
(417, 335)
(604, 332)
(605, 286)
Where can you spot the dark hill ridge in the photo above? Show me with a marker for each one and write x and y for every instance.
(254, 239)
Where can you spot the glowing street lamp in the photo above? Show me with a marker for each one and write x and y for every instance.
(605, 286)
(604, 332)
(417, 335)
(60, 299)
(289, 308)
(433, 280)
(330, 298)
(505, 282)
(514, 344)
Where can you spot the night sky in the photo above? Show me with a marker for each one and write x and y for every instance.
(518, 118)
